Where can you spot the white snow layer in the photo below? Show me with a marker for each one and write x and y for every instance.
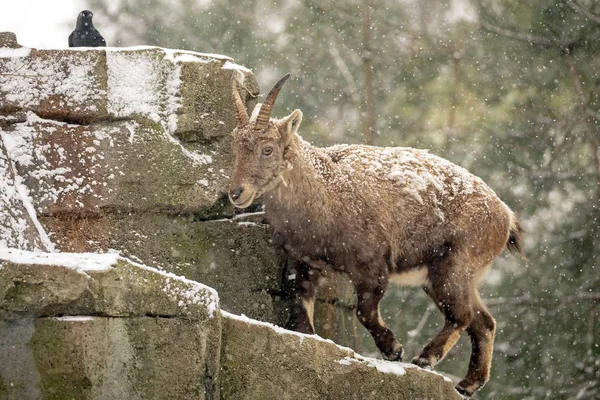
(31, 80)
(12, 53)
(14, 194)
(75, 318)
(132, 85)
(139, 83)
(81, 262)
(135, 82)
(195, 292)
(13, 224)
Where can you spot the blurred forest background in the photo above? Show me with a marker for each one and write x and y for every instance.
(509, 89)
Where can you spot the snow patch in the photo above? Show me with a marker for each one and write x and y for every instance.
(23, 193)
(36, 159)
(423, 177)
(387, 367)
(29, 81)
(250, 223)
(10, 53)
(13, 216)
(280, 330)
(233, 66)
(75, 318)
(132, 84)
(186, 58)
(131, 127)
(134, 87)
(246, 215)
(81, 262)
(18, 150)
(195, 293)
(179, 55)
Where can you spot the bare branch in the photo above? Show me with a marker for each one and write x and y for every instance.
(584, 11)
(497, 301)
(527, 299)
(592, 296)
(591, 132)
(367, 66)
(413, 334)
(338, 10)
(344, 70)
(593, 114)
(524, 37)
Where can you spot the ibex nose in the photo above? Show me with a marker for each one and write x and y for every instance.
(235, 194)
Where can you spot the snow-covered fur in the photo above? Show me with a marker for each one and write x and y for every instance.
(379, 215)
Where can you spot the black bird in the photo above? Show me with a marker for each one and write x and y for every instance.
(85, 35)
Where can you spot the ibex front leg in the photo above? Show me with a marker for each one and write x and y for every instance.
(369, 296)
(306, 283)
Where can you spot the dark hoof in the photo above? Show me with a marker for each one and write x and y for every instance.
(468, 390)
(396, 354)
(422, 362)
(463, 392)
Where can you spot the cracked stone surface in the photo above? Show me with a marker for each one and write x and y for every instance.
(254, 354)
(98, 326)
(128, 149)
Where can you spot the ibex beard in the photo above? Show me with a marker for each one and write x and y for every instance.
(379, 215)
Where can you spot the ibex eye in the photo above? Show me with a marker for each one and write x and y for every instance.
(267, 150)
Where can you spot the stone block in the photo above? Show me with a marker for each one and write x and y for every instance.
(96, 326)
(259, 361)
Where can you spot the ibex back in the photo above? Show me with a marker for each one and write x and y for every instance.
(379, 215)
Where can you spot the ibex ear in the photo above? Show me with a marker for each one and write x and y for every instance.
(289, 126)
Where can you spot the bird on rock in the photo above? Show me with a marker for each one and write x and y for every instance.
(85, 35)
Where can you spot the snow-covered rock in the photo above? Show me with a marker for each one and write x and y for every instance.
(128, 149)
(92, 326)
(262, 361)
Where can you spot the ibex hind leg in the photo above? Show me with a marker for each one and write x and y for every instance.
(481, 330)
(450, 290)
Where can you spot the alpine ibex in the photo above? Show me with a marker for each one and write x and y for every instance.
(379, 215)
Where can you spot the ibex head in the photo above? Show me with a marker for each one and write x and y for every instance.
(259, 145)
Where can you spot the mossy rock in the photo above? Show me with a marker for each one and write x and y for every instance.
(259, 361)
(98, 326)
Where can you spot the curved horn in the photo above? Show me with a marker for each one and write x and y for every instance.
(241, 116)
(265, 111)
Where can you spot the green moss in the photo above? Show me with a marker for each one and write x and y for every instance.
(58, 360)
(236, 260)
(4, 388)
(257, 362)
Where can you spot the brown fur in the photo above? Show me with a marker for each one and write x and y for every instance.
(372, 213)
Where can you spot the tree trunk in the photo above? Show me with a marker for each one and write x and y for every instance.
(587, 121)
(450, 127)
(368, 112)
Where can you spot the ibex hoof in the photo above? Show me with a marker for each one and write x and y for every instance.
(468, 390)
(463, 392)
(396, 354)
(422, 362)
